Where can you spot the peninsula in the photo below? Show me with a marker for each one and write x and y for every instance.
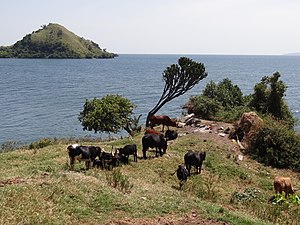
(54, 41)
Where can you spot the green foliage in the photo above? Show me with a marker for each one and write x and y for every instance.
(203, 106)
(108, 114)
(40, 143)
(227, 94)
(268, 98)
(277, 145)
(248, 195)
(179, 78)
(215, 100)
(54, 41)
(117, 180)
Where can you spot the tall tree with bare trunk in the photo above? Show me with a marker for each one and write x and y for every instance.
(179, 78)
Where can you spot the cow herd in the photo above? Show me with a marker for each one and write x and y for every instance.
(158, 141)
(88, 154)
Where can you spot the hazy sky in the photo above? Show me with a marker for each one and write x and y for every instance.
(164, 26)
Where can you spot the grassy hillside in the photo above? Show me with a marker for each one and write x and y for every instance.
(54, 41)
(37, 187)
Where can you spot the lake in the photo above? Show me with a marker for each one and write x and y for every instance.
(43, 97)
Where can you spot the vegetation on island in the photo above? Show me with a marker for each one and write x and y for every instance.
(54, 41)
(38, 188)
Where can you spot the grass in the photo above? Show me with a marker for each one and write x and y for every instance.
(36, 187)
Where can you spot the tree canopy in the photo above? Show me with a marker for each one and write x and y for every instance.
(109, 114)
(179, 78)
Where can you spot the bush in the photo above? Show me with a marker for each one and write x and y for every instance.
(117, 180)
(40, 143)
(217, 101)
(276, 145)
(203, 107)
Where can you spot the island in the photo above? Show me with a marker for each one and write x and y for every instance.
(54, 41)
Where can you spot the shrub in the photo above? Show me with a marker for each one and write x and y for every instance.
(276, 145)
(40, 143)
(203, 107)
(217, 101)
(117, 180)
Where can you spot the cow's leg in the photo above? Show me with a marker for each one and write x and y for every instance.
(161, 152)
(144, 154)
(135, 157)
(72, 161)
(188, 167)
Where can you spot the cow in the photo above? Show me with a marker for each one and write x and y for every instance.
(156, 141)
(283, 184)
(83, 153)
(171, 135)
(161, 120)
(151, 131)
(182, 174)
(195, 159)
(108, 160)
(128, 150)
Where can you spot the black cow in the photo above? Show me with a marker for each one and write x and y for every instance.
(128, 150)
(156, 141)
(108, 161)
(171, 135)
(182, 174)
(83, 153)
(195, 159)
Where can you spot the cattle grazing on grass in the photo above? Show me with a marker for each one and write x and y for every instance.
(162, 120)
(154, 141)
(182, 174)
(171, 135)
(195, 159)
(128, 150)
(108, 161)
(83, 153)
(283, 184)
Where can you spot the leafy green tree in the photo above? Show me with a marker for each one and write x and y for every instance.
(203, 106)
(215, 98)
(268, 98)
(108, 114)
(179, 78)
(227, 94)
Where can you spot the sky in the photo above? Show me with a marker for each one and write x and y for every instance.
(242, 27)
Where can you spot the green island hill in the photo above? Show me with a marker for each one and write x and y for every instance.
(54, 41)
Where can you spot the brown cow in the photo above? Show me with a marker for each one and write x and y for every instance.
(283, 184)
(150, 131)
(162, 120)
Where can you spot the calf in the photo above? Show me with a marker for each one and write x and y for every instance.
(129, 150)
(195, 159)
(171, 135)
(283, 184)
(161, 120)
(156, 141)
(108, 161)
(83, 153)
(182, 174)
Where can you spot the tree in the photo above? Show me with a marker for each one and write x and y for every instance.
(179, 78)
(268, 98)
(108, 114)
(221, 97)
(227, 94)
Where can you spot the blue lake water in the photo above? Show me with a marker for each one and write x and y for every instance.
(43, 97)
